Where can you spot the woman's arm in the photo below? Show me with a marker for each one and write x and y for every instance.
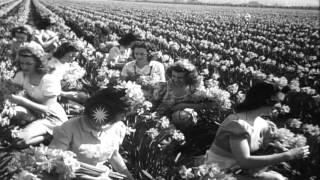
(241, 151)
(75, 96)
(22, 101)
(118, 164)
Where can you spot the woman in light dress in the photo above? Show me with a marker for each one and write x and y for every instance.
(38, 107)
(245, 132)
(95, 136)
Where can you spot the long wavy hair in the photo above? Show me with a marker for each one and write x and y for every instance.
(36, 51)
(185, 66)
(65, 48)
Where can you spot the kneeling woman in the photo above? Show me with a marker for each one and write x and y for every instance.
(39, 106)
(245, 132)
(95, 136)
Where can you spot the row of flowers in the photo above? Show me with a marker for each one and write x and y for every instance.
(7, 7)
(225, 74)
(150, 147)
(263, 61)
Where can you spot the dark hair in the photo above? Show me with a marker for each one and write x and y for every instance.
(37, 52)
(191, 76)
(258, 95)
(25, 29)
(143, 45)
(105, 30)
(127, 39)
(110, 99)
(65, 48)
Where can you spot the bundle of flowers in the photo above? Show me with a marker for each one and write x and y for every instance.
(214, 94)
(7, 88)
(39, 162)
(74, 73)
(134, 94)
(163, 128)
(204, 172)
(284, 139)
(7, 112)
(106, 75)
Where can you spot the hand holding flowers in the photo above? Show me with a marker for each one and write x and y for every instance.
(294, 145)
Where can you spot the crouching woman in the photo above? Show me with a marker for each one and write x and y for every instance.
(95, 136)
(245, 132)
(38, 108)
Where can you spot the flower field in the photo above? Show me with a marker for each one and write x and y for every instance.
(232, 47)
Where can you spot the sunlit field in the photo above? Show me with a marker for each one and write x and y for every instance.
(231, 47)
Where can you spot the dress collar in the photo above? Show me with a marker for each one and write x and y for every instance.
(84, 124)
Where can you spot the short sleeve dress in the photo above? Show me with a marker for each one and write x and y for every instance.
(154, 70)
(48, 86)
(90, 146)
(256, 133)
(60, 69)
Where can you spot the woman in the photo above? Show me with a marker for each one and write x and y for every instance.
(174, 98)
(65, 54)
(119, 55)
(21, 34)
(142, 68)
(102, 33)
(245, 132)
(95, 136)
(39, 107)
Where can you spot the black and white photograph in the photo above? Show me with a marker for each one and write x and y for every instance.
(159, 90)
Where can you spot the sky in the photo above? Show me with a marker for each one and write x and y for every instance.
(271, 2)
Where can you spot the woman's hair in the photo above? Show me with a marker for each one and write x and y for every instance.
(259, 95)
(127, 39)
(65, 48)
(110, 100)
(184, 66)
(36, 51)
(105, 30)
(25, 29)
(144, 45)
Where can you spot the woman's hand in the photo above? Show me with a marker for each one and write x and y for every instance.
(80, 97)
(298, 153)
